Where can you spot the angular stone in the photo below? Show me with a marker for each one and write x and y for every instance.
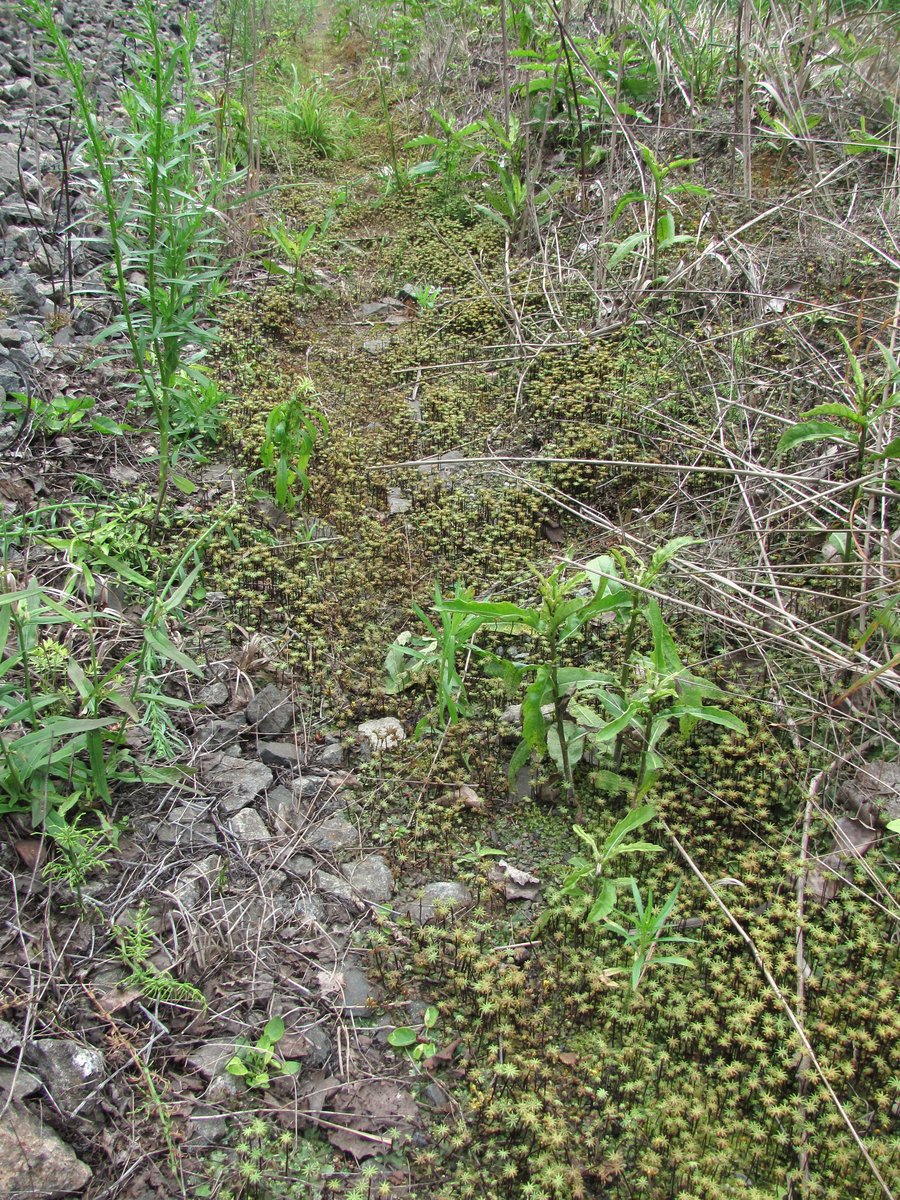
(34, 1161)
(334, 885)
(248, 826)
(331, 757)
(194, 883)
(69, 1070)
(238, 780)
(438, 896)
(219, 734)
(20, 1084)
(371, 879)
(186, 827)
(309, 786)
(270, 711)
(873, 793)
(333, 834)
(281, 754)
(214, 694)
(357, 992)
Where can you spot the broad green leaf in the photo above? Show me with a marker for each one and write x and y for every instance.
(159, 642)
(664, 555)
(430, 1016)
(289, 1067)
(611, 729)
(626, 247)
(631, 821)
(811, 431)
(534, 725)
(844, 411)
(402, 1037)
(273, 1032)
(665, 230)
(521, 756)
(235, 1066)
(893, 826)
(891, 450)
(708, 712)
(604, 903)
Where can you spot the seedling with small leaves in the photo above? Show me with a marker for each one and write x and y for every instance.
(418, 1044)
(256, 1064)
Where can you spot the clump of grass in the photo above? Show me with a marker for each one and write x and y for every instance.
(311, 118)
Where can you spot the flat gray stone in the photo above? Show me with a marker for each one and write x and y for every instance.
(214, 694)
(34, 1161)
(20, 1084)
(331, 757)
(196, 882)
(281, 754)
(359, 994)
(371, 879)
(873, 793)
(212, 1057)
(248, 826)
(186, 827)
(437, 896)
(270, 711)
(219, 735)
(309, 785)
(70, 1071)
(333, 834)
(334, 885)
(376, 345)
(239, 781)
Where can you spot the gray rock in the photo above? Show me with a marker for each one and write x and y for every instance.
(317, 1045)
(69, 1070)
(270, 711)
(10, 1038)
(333, 834)
(19, 1084)
(239, 781)
(397, 502)
(376, 345)
(331, 757)
(358, 994)
(308, 910)
(438, 897)
(196, 882)
(334, 885)
(873, 793)
(371, 879)
(214, 694)
(309, 785)
(34, 1161)
(211, 1058)
(377, 308)
(207, 1125)
(248, 826)
(281, 754)
(220, 733)
(186, 827)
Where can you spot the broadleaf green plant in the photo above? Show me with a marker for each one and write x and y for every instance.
(255, 1064)
(293, 428)
(855, 423)
(660, 234)
(645, 938)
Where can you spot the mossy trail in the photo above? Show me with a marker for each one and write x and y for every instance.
(564, 1084)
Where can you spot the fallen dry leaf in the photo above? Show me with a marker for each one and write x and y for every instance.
(32, 852)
